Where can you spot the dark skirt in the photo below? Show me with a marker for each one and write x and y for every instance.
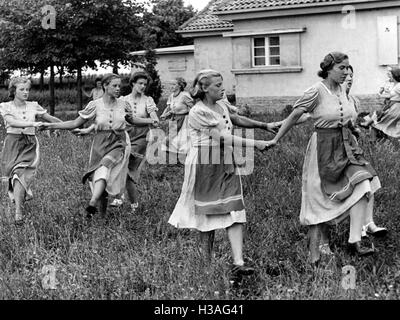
(138, 137)
(108, 150)
(20, 158)
(341, 162)
(218, 188)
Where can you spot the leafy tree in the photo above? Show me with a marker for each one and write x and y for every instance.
(85, 31)
(163, 20)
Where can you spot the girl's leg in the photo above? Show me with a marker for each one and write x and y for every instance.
(131, 191)
(98, 190)
(19, 196)
(358, 214)
(369, 224)
(207, 244)
(103, 203)
(235, 235)
(314, 237)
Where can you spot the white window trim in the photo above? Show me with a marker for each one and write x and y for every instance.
(267, 55)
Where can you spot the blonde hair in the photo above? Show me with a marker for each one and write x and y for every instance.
(12, 87)
(203, 79)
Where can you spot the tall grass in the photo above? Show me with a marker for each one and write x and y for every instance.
(140, 256)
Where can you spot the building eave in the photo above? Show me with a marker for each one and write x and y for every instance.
(304, 9)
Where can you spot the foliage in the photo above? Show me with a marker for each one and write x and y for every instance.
(163, 20)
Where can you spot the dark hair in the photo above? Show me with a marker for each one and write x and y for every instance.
(395, 73)
(329, 62)
(97, 79)
(203, 78)
(108, 78)
(12, 87)
(139, 75)
(181, 82)
(351, 68)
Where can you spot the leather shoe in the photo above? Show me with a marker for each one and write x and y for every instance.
(376, 231)
(357, 248)
(244, 270)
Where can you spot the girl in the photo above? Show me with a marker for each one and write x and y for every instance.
(389, 120)
(143, 107)
(211, 196)
(337, 180)
(109, 154)
(177, 110)
(20, 156)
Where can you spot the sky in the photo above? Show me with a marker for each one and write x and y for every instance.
(197, 4)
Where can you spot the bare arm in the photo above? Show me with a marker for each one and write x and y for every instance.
(245, 122)
(229, 139)
(48, 118)
(141, 122)
(66, 125)
(288, 124)
(20, 123)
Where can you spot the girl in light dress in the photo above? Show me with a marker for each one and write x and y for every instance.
(177, 111)
(21, 153)
(212, 196)
(388, 121)
(337, 180)
(143, 107)
(111, 147)
(97, 92)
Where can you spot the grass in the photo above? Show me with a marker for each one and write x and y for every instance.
(141, 256)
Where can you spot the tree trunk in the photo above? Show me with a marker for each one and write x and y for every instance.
(41, 83)
(115, 67)
(61, 74)
(52, 94)
(79, 85)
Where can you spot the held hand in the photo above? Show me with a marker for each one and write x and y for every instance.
(273, 127)
(155, 123)
(41, 125)
(265, 145)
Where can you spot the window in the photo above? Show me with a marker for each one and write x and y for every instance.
(266, 51)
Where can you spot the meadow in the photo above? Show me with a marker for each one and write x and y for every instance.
(140, 256)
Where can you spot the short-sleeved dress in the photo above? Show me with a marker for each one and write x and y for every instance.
(211, 196)
(20, 155)
(389, 121)
(97, 93)
(137, 134)
(110, 150)
(335, 174)
(178, 140)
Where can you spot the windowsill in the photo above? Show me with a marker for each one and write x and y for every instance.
(272, 69)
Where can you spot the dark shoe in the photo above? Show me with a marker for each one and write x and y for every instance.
(90, 212)
(241, 270)
(358, 249)
(376, 231)
(19, 220)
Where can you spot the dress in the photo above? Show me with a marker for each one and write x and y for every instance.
(97, 93)
(211, 196)
(335, 174)
(110, 150)
(20, 155)
(178, 140)
(389, 121)
(138, 135)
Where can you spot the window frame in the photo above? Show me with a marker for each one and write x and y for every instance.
(266, 47)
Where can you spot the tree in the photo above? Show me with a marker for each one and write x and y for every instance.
(85, 31)
(163, 20)
(155, 88)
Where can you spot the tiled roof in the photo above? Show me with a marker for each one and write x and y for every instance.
(206, 20)
(210, 18)
(235, 5)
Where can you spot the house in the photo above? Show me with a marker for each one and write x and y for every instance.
(269, 51)
(172, 62)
